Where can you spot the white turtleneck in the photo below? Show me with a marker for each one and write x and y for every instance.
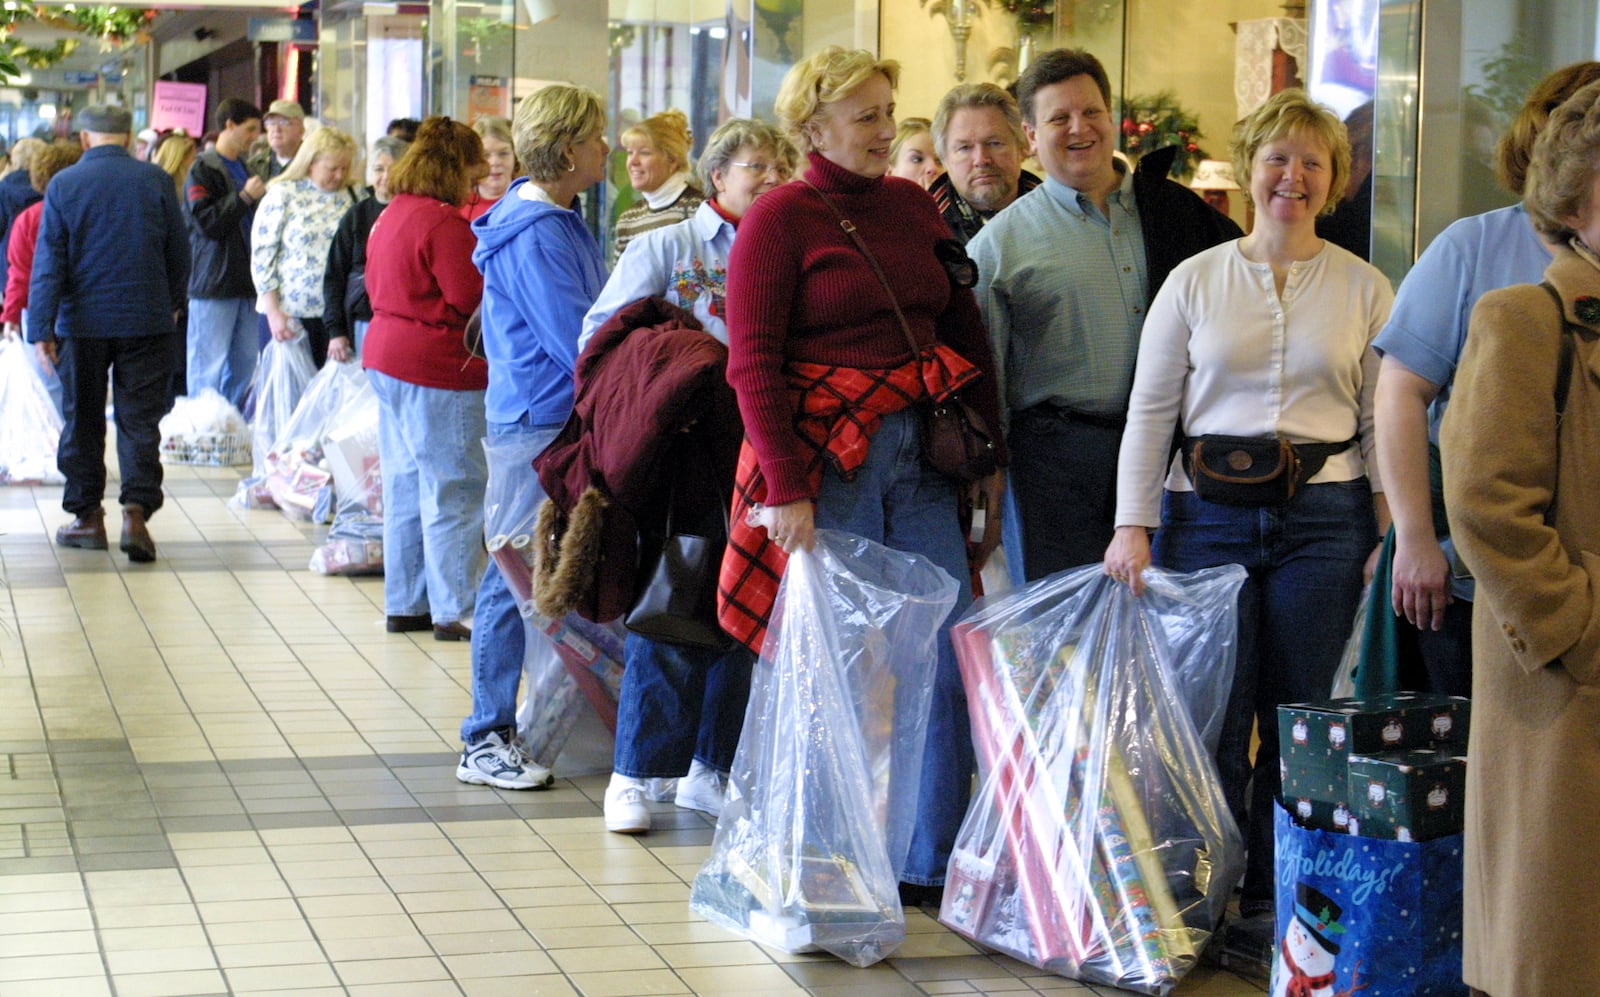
(668, 192)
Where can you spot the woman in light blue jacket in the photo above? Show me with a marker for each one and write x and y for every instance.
(541, 272)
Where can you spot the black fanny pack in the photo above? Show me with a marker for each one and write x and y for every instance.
(1253, 470)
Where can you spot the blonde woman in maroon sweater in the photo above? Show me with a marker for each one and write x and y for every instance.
(808, 317)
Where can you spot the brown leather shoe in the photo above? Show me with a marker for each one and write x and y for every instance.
(136, 542)
(408, 623)
(87, 532)
(452, 631)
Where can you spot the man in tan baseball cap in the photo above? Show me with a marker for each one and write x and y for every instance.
(285, 125)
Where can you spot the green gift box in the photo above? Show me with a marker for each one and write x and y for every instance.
(1414, 795)
(1321, 815)
(1316, 742)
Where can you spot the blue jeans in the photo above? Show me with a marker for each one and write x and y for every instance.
(222, 347)
(499, 633)
(679, 704)
(433, 479)
(1296, 608)
(900, 501)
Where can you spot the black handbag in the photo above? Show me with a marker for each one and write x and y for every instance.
(677, 601)
(355, 293)
(1253, 471)
(955, 438)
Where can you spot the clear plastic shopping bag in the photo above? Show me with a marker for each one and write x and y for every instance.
(587, 663)
(823, 792)
(350, 447)
(1344, 677)
(1099, 845)
(313, 417)
(30, 425)
(298, 471)
(281, 378)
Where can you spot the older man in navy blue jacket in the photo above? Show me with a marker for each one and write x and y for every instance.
(109, 275)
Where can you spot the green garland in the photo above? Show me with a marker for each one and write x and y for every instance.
(1151, 123)
(112, 25)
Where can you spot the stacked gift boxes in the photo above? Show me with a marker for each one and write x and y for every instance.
(1410, 745)
(1413, 795)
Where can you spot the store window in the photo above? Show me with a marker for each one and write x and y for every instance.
(370, 68)
(712, 60)
(1452, 75)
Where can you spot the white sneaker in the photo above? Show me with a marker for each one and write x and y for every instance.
(626, 812)
(703, 789)
(496, 761)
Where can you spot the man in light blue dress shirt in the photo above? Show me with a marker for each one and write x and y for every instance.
(1066, 275)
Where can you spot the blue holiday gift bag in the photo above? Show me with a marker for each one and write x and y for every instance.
(1366, 914)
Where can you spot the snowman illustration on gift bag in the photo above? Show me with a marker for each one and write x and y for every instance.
(1309, 951)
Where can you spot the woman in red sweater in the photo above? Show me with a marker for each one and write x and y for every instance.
(423, 287)
(46, 163)
(809, 317)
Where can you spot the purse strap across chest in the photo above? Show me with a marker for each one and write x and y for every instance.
(849, 229)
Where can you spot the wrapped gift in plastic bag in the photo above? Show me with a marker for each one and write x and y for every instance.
(296, 487)
(297, 470)
(204, 429)
(30, 425)
(348, 557)
(587, 665)
(1099, 845)
(280, 379)
(350, 447)
(823, 792)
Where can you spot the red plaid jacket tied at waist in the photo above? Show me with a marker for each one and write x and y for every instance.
(837, 411)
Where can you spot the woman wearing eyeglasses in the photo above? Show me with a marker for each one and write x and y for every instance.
(681, 707)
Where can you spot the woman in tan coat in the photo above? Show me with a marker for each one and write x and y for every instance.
(1521, 445)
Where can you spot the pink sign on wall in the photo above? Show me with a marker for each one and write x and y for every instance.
(179, 105)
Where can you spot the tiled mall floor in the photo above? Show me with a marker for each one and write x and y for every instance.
(218, 774)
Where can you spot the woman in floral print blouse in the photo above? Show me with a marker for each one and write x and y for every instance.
(294, 226)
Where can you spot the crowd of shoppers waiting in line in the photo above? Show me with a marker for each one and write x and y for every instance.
(1108, 322)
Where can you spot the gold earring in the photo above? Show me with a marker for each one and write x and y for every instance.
(572, 167)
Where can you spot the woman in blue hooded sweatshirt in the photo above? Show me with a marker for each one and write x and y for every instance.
(541, 272)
